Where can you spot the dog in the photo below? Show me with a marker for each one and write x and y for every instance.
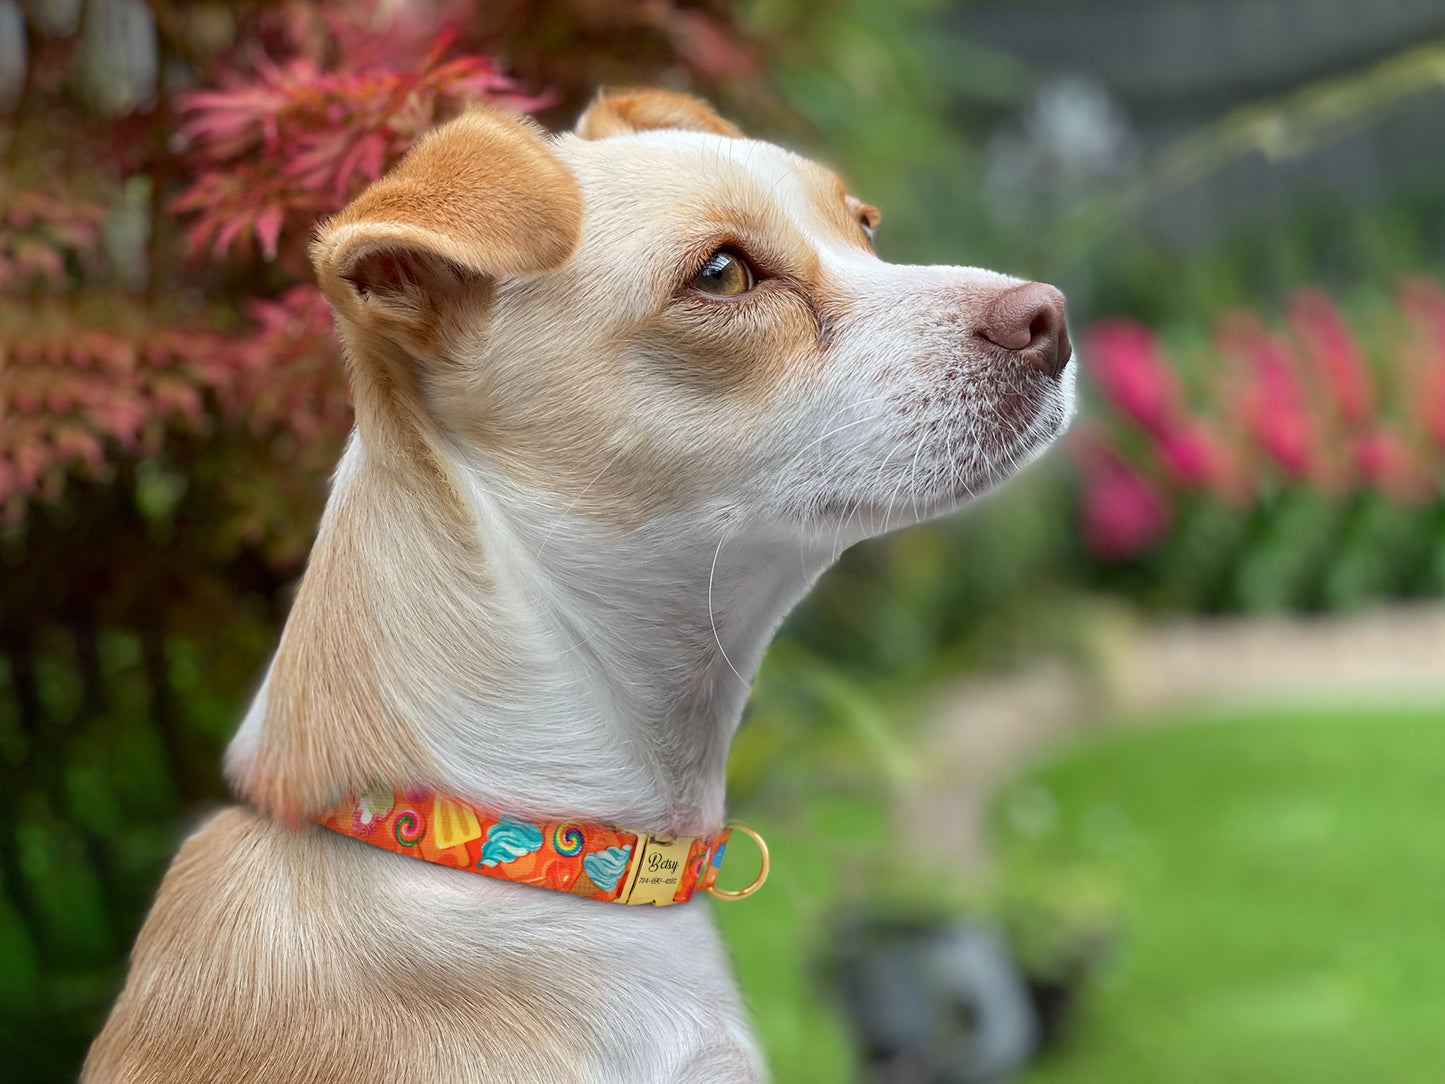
(621, 396)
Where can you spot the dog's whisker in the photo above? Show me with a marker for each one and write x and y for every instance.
(858, 502)
(913, 472)
(711, 615)
(812, 444)
(903, 483)
(575, 500)
(817, 444)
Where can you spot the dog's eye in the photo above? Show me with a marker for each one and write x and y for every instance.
(867, 219)
(726, 274)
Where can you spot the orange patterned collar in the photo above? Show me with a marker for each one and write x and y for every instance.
(596, 861)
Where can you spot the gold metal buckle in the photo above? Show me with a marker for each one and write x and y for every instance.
(658, 863)
(744, 893)
(656, 870)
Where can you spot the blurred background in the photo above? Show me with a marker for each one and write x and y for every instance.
(1128, 773)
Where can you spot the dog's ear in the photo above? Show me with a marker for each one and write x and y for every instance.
(411, 264)
(623, 112)
(479, 198)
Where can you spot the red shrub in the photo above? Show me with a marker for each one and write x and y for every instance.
(156, 234)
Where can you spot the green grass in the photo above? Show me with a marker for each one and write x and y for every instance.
(1279, 882)
(779, 938)
(1276, 884)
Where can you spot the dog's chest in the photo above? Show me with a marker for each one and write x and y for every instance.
(320, 958)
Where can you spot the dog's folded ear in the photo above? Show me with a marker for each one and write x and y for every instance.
(479, 198)
(624, 112)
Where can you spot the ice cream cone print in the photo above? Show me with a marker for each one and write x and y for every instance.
(583, 885)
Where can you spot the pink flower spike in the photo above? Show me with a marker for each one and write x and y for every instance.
(1272, 402)
(1384, 461)
(1423, 302)
(1124, 359)
(1123, 514)
(1192, 455)
(1331, 349)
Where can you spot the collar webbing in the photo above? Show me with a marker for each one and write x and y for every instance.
(596, 861)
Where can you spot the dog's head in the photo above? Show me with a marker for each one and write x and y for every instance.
(655, 315)
(620, 395)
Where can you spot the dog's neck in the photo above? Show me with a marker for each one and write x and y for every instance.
(515, 657)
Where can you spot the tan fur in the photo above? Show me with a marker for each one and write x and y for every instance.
(331, 723)
(864, 212)
(540, 395)
(513, 401)
(408, 265)
(483, 191)
(623, 112)
(299, 981)
(845, 214)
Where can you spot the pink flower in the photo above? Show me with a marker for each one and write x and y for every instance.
(1330, 348)
(1124, 359)
(1383, 460)
(1193, 455)
(1272, 403)
(1423, 302)
(1123, 514)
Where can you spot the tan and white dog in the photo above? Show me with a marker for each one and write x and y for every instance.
(621, 396)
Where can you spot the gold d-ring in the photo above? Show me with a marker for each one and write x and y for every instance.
(744, 893)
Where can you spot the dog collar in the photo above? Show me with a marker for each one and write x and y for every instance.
(596, 861)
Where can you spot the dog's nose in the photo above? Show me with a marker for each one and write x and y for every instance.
(1029, 321)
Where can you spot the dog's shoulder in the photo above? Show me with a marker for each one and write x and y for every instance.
(260, 961)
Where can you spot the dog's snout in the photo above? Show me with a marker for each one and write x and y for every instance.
(1029, 322)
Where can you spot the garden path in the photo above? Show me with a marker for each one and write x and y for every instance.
(979, 733)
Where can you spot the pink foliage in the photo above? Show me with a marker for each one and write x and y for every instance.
(313, 102)
(39, 231)
(306, 392)
(298, 140)
(68, 391)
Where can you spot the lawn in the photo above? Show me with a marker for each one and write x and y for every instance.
(779, 939)
(1280, 885)
(1276, 883)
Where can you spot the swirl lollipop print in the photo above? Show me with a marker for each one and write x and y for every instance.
(567, 840)
(409, 827)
